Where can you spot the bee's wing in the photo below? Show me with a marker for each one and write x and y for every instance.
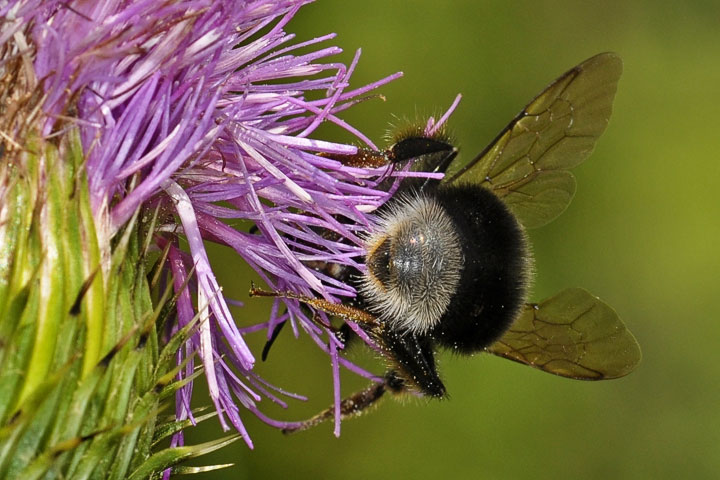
(573, 334)
(527, 165)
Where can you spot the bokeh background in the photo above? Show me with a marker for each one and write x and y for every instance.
(643, 233)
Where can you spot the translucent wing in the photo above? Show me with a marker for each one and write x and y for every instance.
(573, 334)
(528, 163)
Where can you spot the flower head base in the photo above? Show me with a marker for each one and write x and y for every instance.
(199, 109)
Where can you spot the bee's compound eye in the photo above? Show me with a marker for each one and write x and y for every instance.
(378, 262)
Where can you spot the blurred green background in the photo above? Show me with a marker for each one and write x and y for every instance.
(642, 233)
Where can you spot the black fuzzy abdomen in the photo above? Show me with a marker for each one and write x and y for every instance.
(494, 279)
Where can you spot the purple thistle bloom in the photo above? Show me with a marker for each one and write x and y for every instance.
(201, 106)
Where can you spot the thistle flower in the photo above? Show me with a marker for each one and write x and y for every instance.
(127, 126)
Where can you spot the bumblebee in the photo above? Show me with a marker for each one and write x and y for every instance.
(449, 265)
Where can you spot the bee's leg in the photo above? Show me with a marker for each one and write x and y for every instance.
(445, 160)
(405, 149)
(276, 331)
(338, 331)
(364, 158)
(343, 333)
(355, 404)
(433, 155)
(419, 146)
(345, 312)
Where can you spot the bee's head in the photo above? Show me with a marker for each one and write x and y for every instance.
(414, 263)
